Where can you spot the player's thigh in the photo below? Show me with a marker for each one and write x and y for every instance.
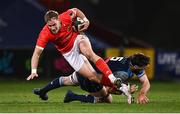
(86, 61)
(86, 49)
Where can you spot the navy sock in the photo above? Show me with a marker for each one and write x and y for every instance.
(84, 98)
(56, 83)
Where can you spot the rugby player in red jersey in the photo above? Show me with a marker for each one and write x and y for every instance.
(72, 45)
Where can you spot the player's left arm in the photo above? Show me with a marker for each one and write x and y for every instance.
(142, 98)
(78, 13)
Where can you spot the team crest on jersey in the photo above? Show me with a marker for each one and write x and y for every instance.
(69, 28)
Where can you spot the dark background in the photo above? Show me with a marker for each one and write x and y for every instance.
(154, 23)
(117, 23)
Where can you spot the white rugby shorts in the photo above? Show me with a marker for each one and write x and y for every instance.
(75, 59)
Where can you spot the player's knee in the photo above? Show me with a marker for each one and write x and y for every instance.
(106, 99)
(109, 99)
(66, 80)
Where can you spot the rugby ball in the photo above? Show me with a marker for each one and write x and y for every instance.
(77, 24)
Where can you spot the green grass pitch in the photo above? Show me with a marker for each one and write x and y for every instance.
(16, 96)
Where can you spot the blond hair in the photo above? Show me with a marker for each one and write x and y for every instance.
(50, 14)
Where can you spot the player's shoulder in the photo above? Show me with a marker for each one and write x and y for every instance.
(45, 32)
(66, 14)
(65, 17)
(119, 61)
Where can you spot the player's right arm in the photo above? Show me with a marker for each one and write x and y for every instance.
(34, 62)
(40, 45)
(79, 13)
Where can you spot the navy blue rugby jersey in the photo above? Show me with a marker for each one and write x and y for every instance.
(121, 68)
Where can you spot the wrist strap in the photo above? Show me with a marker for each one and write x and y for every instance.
(34, 70)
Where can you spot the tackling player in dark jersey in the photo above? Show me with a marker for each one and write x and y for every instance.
(122, 67)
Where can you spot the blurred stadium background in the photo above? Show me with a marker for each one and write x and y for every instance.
(118, 28)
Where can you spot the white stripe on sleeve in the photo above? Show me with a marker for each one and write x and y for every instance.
(39, 47)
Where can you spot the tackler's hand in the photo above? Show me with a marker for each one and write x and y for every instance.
(142, 99)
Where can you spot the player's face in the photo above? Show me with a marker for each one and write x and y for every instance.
(54, 25)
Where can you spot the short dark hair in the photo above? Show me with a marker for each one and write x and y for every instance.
(50, 14)
(140, 60)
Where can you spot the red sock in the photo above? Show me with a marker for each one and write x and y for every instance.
(103, 67)
(106, 81)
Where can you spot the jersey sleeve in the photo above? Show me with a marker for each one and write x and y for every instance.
(67, 17)
(43, 39)
(72, 11)
(141, 73)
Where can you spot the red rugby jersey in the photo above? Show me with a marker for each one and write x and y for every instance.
(64, 39)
